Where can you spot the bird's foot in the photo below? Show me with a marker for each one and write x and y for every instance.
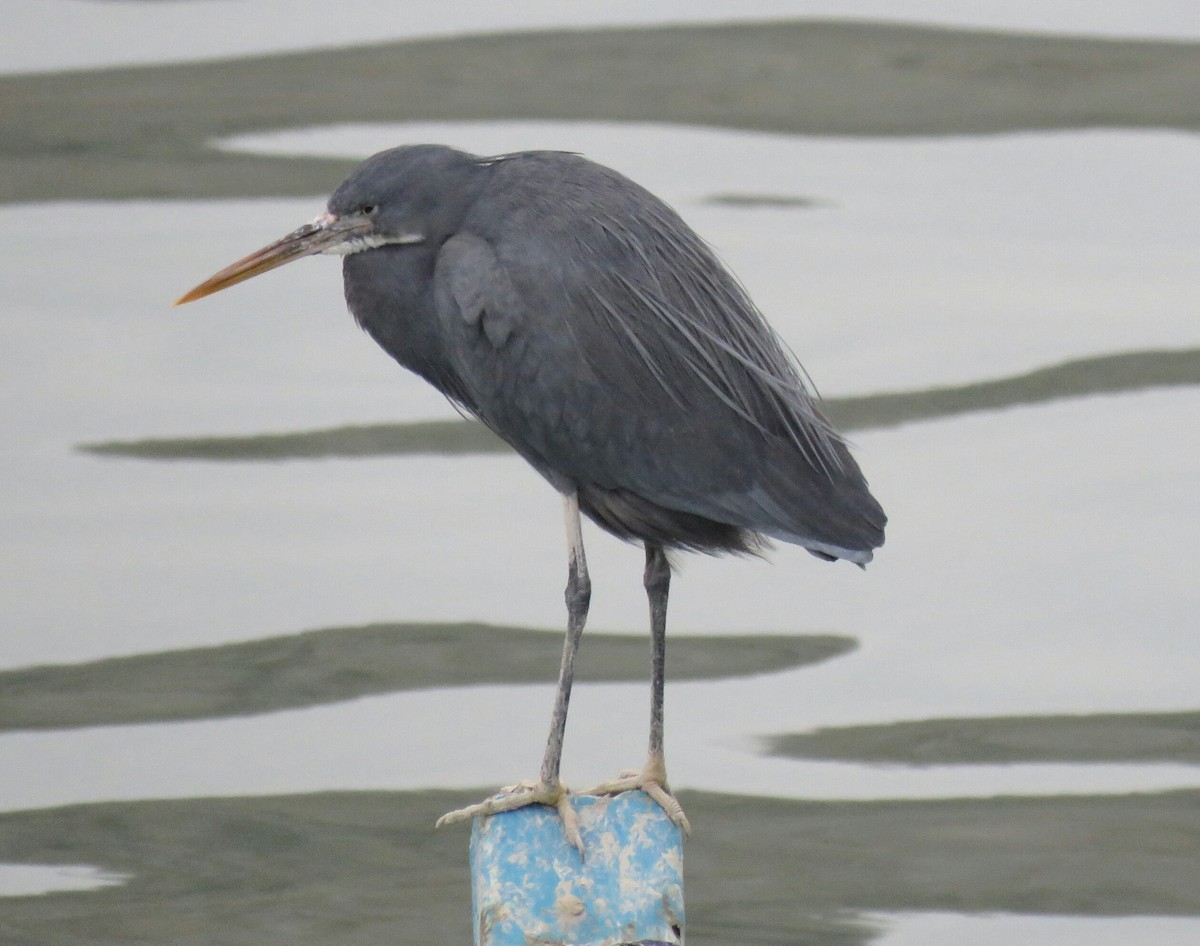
(652, 780)
(525, 793)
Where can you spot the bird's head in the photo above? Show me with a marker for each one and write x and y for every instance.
(405, 196)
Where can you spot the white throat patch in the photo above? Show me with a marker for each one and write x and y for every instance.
(372, 241)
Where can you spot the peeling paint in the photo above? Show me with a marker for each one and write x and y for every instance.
(531, 888)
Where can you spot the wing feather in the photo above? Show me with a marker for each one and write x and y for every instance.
(604, 340)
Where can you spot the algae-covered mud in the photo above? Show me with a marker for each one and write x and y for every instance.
(365, 868)
(234, 696)
(1130, 371)
(343, 663)
(145, 131)
(1100, 737)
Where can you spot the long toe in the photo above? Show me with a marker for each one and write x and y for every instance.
(653, 781)
(513, 797)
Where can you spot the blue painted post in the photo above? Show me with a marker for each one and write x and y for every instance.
(529, 885)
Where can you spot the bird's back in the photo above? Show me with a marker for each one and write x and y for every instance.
(598, 334)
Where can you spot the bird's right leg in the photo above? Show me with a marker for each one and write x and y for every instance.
(652, 779)
(550, 789)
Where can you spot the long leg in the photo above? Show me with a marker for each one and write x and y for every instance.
(653, 777)
(550, 790)
(657, 580)
(578, 596)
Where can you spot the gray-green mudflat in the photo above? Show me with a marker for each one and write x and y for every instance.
(1096, 737)
(1103, 374)
(360, 869)
(145, 132)
(333, 664)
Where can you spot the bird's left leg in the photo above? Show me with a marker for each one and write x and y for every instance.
(652, 779)
(550, 789)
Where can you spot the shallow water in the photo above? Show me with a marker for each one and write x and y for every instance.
(24, 880)
(1005, 929)
(1040, 558)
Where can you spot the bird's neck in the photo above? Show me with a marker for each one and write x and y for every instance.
(388, 292)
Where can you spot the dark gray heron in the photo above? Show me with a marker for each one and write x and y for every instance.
(578, 316)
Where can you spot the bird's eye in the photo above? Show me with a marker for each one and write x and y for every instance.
(368, 210)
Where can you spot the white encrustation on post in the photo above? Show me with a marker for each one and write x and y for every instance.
(530, 885)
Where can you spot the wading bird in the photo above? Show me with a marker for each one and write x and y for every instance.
(579, 317)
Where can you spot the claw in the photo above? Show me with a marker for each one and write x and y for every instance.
(526, 793)
(653, 781)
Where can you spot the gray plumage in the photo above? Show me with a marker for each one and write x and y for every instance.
(584, 322)
(581, 319)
